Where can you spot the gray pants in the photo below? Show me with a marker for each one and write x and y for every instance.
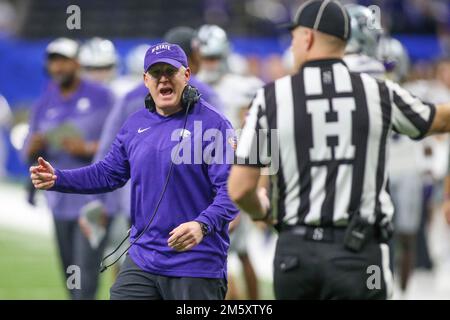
(74, 249)
(133, 283)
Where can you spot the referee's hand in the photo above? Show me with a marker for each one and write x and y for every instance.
(42, 175)
(185, 236)
(265, 203)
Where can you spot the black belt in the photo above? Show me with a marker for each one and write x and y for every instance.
(325, 234)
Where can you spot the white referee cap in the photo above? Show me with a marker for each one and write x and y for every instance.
(63, 46)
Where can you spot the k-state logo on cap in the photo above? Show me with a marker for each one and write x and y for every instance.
(161, 47)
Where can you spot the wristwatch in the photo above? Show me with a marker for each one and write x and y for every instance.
(204, 227)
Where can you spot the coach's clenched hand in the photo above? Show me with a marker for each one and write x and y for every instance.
(185, 236)
(43, 175)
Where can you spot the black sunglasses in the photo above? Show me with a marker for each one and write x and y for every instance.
(157, 72)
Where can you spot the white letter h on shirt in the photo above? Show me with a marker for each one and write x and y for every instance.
(323, 129)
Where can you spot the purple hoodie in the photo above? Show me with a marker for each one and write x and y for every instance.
(142, 152)
(119, 201)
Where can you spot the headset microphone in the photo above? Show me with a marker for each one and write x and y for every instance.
(190, 97)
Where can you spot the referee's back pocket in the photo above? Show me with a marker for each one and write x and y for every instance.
(286, 263)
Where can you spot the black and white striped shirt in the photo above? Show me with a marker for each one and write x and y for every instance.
(327, 129)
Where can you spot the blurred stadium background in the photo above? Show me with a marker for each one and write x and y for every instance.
(28, 262)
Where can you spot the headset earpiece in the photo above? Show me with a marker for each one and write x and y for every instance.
(149, 103)
(190, 96)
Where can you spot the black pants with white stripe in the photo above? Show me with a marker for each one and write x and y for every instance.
(308, 269)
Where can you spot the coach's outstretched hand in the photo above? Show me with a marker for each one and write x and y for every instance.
(185, 236)
(43, 175)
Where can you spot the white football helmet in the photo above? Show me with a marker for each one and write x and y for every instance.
(365, 30)
(98, 53)
(135, 59)
(394, 57)
(214, 49)
(213, 41)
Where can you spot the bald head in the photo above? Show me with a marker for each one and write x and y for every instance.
(308, 44)
(330, 43)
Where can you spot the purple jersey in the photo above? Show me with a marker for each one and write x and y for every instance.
(196, 191)
(84, 111)
(118, 201)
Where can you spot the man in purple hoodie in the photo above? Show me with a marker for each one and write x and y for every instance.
(117, 203)
(186, 38)
(180, 250)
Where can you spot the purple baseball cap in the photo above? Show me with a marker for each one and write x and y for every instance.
(165, 53)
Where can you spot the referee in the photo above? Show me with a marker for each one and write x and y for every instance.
(330, 193)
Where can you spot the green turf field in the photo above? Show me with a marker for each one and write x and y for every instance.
(29, 268)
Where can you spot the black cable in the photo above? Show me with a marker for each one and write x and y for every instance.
(102, 266)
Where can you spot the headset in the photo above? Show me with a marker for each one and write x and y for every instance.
(189, 98)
